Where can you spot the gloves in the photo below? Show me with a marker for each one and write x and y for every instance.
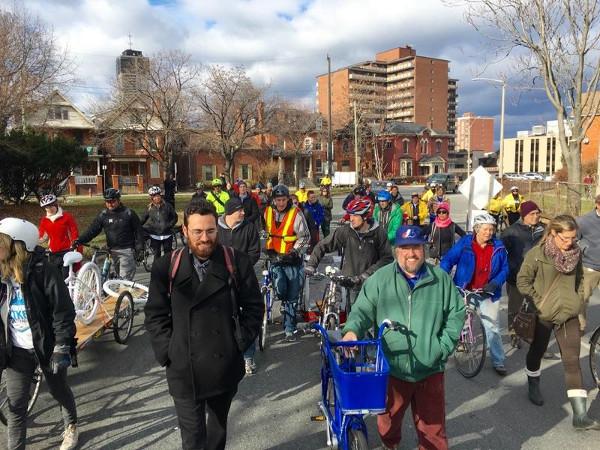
(59, 360)
(139, 253)
(75, 244)
(490, 288)
(309, 271)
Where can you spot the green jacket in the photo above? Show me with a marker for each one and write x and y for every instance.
(535, 277)
(218, 200)
(433, 313)
(327, 203)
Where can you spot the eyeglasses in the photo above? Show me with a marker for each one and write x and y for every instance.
(110, 202)
(198, 233)
(442, 211)
(574, 239)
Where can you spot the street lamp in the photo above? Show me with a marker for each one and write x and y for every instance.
(501, 157)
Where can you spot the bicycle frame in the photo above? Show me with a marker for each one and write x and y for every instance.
(266, 290)
(330, 308)
(339, 422)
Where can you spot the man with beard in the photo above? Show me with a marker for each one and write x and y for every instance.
(191, 302)
(412, 291)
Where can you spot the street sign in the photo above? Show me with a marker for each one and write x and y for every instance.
(484, 188)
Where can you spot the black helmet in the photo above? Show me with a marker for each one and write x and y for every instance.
(281, 190)
(112, 194)
(360, 190)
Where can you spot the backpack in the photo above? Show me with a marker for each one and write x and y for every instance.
(232, 282)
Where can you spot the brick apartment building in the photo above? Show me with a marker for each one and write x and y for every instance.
(475, 133)
(398, 85)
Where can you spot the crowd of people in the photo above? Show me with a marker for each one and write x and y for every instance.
(404, 259)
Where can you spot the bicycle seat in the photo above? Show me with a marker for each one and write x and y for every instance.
(71, 258)
(334, 335)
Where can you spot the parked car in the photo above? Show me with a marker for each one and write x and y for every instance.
(377, 186)
(512, 176)
(532, 176)
(448, 180)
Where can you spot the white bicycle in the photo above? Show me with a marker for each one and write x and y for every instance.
(128, 294)
(84, 287)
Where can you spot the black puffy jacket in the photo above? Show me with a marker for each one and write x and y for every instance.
(243, 237)
(518, 240)
(162, 219)
(49, 307)
(122, 227)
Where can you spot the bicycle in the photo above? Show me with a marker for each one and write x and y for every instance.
(84, 287)
(353, 384)
(178, 237)
(268, 295)
(128, 294)
(34, 391)
(334, 307)
(594, 357)
(469, 355)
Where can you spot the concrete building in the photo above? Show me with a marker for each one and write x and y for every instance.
(475, 133)
(537, 150)
(132, 67)
(398, 85)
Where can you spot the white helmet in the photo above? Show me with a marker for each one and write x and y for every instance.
(48, 200)
(154, 190)
(20, 230)
(484, 219)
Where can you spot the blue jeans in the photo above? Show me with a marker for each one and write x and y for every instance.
(249, 354)
(287, 281)
(489, 315)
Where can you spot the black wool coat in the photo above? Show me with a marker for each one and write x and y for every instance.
(192, 332)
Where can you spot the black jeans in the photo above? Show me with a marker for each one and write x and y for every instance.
(203, 423)
(18, 377)
(569, 342)
(156, 245)
(56, 258)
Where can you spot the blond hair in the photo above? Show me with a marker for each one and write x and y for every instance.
(561, 223)
(17, 256)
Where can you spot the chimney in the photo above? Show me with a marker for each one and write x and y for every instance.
(260, 108)
(430, 125)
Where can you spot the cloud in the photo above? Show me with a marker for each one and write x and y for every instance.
(282, 43)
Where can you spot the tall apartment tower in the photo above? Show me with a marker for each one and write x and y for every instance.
(398, 85)
(475, 133)
(132, 68)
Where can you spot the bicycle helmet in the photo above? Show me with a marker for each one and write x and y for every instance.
(200, 185)
(384, 196)
(360, 190)
(20, 230)
(154, 190)
(259, 186)
(484, 219)
(112, 194)
(360, 207)
(281, 190)
(48, 200)
(302, 185)
(217, 182)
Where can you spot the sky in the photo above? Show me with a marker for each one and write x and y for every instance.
(283, 44)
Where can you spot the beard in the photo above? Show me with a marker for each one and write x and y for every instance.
(204, 249)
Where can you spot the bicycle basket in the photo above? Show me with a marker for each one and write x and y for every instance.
(361, 383)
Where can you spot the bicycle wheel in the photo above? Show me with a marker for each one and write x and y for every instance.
(470, 353)
(262, 332)
(34, 391)
(357, 440)
(86, 295)
(123, 317)
(115, 286)
(272, 298)
(148, 257)
(595, 357)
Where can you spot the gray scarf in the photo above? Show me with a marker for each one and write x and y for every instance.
(564, 262)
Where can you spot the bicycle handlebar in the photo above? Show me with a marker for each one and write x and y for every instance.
(387, 323)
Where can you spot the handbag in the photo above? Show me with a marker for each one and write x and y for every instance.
(524, 322)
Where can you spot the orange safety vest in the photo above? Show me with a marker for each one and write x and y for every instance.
(282, 238)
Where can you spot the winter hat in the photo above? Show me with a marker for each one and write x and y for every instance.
(232, 205)
(446, 206)
(527, 207)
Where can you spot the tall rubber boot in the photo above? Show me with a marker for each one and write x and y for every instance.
(535, 396)
(581, 421)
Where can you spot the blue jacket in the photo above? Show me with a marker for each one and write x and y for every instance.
(462, 256)
(317, 211)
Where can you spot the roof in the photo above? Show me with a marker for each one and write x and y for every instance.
(431, 159)
(410, 129)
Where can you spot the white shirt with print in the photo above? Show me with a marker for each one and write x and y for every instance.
(17, 318)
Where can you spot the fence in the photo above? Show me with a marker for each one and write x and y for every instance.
(86, 179)
(553, 197)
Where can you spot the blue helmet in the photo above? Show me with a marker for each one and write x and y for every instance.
(384, 196)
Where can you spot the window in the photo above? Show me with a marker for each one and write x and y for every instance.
(319, 124)
(154, 169)
(245, 171)
(78, 136)
(405, 146)
(125, 169)
(307, 162)
(119, 145)
(438, 146)
(308, 143)
(208, 172)
(58, 113)
(388, 144)
(424, 146)
(318, 146)
(345, 164)
(319, 165)
(251, 124)
(345, 146)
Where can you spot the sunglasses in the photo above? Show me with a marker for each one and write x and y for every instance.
(110, 202)
(442, 211)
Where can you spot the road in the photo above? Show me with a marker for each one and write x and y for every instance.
(123, 401)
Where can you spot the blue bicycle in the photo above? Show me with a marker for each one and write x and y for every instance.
(268, 295)
(354, 377)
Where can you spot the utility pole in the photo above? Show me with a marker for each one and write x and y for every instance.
(356, 158)
(329, 140)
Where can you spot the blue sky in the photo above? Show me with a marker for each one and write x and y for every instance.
(284, 43)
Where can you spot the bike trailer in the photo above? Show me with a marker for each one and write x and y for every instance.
(361, 382)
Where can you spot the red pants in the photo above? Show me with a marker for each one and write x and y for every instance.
(427, 399)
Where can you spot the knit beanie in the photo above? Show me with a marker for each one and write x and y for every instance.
(232, 205)
(527, 207)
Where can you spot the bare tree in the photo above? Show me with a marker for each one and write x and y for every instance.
(556, 41)
(294, 124)
(32, 65)
(157, 108)
(232, 110)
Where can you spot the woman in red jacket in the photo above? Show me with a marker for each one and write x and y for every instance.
(60, 228)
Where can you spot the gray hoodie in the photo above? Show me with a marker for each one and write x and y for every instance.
(589, 235)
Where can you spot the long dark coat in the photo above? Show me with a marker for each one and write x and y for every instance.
(192, 334)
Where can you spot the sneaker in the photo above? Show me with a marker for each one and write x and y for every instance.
(250, 366)
(290, 337)
(70, 437)
(515, 341)
(501, 370)
(548, 355)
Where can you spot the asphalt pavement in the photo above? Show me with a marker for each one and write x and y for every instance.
(123, 402)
